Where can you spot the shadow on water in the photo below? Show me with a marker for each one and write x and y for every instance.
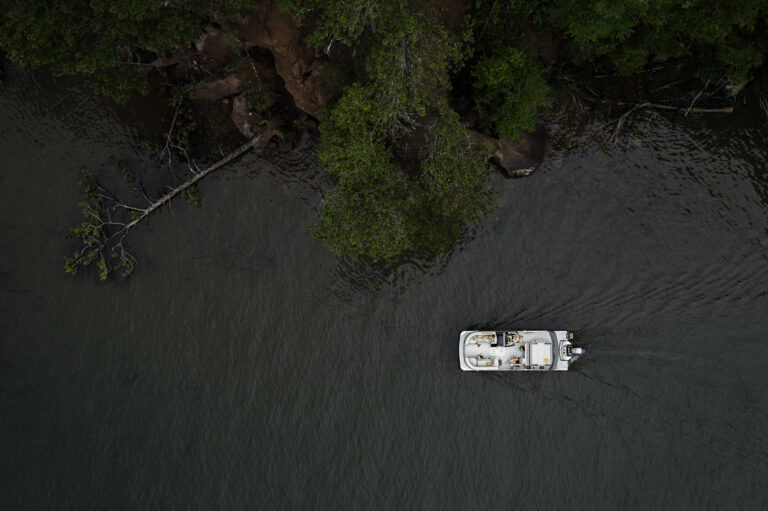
(361, 283)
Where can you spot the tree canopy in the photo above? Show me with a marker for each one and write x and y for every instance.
(99, 38)
(379, 208)
(732, 34)
(407, 176)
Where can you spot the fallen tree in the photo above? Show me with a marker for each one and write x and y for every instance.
(615, 137)
(108, 219)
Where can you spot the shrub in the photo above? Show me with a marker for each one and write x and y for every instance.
(508, 91)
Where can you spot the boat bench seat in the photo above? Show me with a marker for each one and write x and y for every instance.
(484, 362)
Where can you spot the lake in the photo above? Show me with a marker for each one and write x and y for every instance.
(244, 366)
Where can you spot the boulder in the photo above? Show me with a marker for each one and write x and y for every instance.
(215, 45)
(521, 157)
(295, 62)
(217, 89)
(244, 119)
(170, 61)
(480, 140)
(212, 51)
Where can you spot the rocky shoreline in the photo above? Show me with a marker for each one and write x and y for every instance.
(261, 72)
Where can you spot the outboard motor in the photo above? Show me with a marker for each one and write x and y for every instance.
(578, 351)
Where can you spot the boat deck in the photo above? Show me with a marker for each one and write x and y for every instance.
(514, 351)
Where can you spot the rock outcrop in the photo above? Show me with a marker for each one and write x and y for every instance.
(523, 156)
(243, 117)
(480, 140)
(295, 62)
(217, 89)
(515, 158)
(212, 51)
(215, 45)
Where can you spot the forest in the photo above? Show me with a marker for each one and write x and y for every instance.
(419, 91)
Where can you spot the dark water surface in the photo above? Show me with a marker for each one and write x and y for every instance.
(245, 367)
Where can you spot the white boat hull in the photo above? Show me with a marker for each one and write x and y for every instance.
(516, 350)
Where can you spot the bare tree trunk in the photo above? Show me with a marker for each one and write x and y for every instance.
(101, 235)
(697, 110)
(191, 181)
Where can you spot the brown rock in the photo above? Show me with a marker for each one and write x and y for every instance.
(295, 62)
(242, 116)
(523, 156)
(215, 45)
(216, 90)
(481, 140)
(170, 61)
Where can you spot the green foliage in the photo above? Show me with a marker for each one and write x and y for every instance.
(98, 38)
(409, 66)
(730, 34)
(508, 91)
(368, 218)
(352, 137)
(376, 209)
(184, 125)
(96, 243)
(739, 56)
(453, 172)
(193, 195)
(254, 92)
(455, 189)
(628, 31)
(504, 14)
(367, 212)
(340, 21)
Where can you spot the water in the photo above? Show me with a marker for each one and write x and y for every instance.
(245, 367)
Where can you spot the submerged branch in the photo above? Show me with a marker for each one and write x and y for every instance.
(615, 137)
(623, 118)
(697, 110)
(170, 131)
(100, 235)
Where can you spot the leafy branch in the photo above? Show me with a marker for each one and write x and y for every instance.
(108, 219)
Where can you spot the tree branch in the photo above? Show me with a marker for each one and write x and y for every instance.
(194, 179)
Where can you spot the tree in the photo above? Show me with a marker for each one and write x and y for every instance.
(367, 213)
(455, 189)
(409, 66)
(731, 32)
(341, 21)
(377, 209)
(100, 38)
(108, 219)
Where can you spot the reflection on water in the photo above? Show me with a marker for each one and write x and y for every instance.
(245, 366)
